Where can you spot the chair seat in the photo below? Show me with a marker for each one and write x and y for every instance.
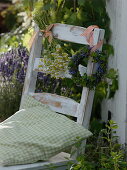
(59, 160)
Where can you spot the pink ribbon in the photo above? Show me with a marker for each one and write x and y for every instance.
(88, 33)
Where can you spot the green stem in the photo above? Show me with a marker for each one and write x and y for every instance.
(74, 5)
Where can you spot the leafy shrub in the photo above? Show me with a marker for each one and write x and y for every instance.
(10, 40)
(10, 18)
(10, 96)
(103, 152)
(75, 12)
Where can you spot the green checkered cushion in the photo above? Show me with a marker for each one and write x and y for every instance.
(29, 102)
(36, 133)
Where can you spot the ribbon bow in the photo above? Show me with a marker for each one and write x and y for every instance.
(88, 33)
(48, 33)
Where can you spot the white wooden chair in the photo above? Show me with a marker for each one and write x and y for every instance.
(61, 104)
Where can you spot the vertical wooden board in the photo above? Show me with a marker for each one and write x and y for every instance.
(31, 76)
(96, 36)
(30, 81)
(85, 106)
(38, 64)
(88, 109)
(81, 107)
(85, 95)
(90, 97)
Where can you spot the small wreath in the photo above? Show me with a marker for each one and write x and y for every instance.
(80, 59)
(60, 62)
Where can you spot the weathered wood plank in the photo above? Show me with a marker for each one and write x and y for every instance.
(73, 33)
(31, 76)
(85, 106)
(90, 97)
(85, 94)
(58, 103)
(86, 103)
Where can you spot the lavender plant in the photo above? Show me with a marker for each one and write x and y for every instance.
(13, 64)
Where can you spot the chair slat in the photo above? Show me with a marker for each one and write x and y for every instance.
(73, 33)
(58, 103)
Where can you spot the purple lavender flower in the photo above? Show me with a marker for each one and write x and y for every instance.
(72, 71)
(14, 63)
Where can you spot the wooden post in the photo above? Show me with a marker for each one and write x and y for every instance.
(31, 76)
(118, 105)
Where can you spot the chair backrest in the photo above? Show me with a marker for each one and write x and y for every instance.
(58, 103)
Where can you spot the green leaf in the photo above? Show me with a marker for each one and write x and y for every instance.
(115, 127)
(81, 2)
(59, 2)
(47, 7)
(109, 49)
(112, 74)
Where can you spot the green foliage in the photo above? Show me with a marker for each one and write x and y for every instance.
(80, 12)
(9, 41)
(113, 82)
(17, 21)
(10, 96)
(27, 37)
(108, 88)
(82, 57)
(29, 5)
(11, 20)
(102, 152)
(105, 89)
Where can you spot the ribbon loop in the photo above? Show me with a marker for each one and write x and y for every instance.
(48, 33)
(88, 33)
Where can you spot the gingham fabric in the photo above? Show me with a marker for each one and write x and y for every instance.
(36, 133)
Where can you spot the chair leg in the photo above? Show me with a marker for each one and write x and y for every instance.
(80, 150)
(82, 147)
